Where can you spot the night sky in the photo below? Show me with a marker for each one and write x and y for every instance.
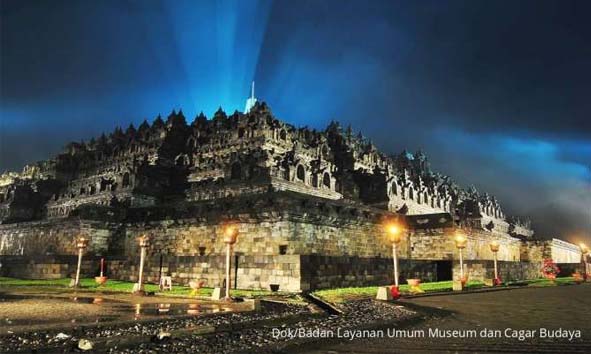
(497, 93)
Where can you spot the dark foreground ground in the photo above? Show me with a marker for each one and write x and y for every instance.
(25, 326)
(566, 307)
(60, 324)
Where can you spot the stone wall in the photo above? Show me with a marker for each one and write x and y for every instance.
(285, 185)
(55, 237)
(427, 271)
(567, 269)
(247, 272)
(271, 240)
(208, 190)
(297, 242)
(295, 250)
(424, 204)
(271, 237)
(534, 251)
(439, 244)
(320, 272)
(557, 250)
(565, 252)
(47, 267)
(479, 270)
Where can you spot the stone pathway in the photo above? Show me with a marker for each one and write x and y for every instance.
(566, 307)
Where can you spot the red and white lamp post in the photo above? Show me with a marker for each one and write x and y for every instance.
(461, 240)
(494, 247)
(584, 253)
(81, 244)
(394, 233)
(101, 280)
(230, 238)
(144, 242)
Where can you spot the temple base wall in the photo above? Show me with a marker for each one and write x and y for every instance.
(297, 243)
(47, 267)
(247, 272)
(56, 237)
(292, 273)
(479, 270)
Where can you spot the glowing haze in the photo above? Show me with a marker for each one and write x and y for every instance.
(496, 93)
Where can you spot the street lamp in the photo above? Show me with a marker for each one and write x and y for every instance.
(230, 236)
(584, 252)
(144, 242)
(494, 247)
(394, 231)
(81, 244)
(461, 240)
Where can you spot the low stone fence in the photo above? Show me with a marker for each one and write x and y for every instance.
(47, 267)
(320, 272)
(247, 272)
(567, 269)
(511, 271)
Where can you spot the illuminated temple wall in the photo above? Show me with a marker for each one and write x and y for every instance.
(559, 251)
(439, 244)
(281, 235)
(297, 242)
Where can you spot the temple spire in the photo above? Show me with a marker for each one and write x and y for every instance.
(251, 100)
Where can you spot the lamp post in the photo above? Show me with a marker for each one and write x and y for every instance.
(144, 242)
(494, 247)
(461, 240)
(584, 252)
(81, 244)
(101, 280)
(393, 231)
(230, 236)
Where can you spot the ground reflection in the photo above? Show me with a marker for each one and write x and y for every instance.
(93, 309)
(176, 309)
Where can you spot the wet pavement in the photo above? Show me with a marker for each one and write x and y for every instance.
(30, 311)
(223, 332)
(556, 313)
(208, 332)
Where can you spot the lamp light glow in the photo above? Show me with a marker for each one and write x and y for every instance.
(494, 246)
(394, 232)
(460, 239)
(230, 234)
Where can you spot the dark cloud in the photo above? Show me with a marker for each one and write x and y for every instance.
(485, 66)
(495, 92)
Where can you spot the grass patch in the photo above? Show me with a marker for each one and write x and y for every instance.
(117, 286)
(339, 295)
(543, 282)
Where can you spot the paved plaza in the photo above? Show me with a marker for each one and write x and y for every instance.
(566, 307)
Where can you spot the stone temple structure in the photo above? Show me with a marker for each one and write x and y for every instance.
(309, 205)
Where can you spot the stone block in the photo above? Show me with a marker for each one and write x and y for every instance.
(216, 295)
(384, 293)
(457, 285)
